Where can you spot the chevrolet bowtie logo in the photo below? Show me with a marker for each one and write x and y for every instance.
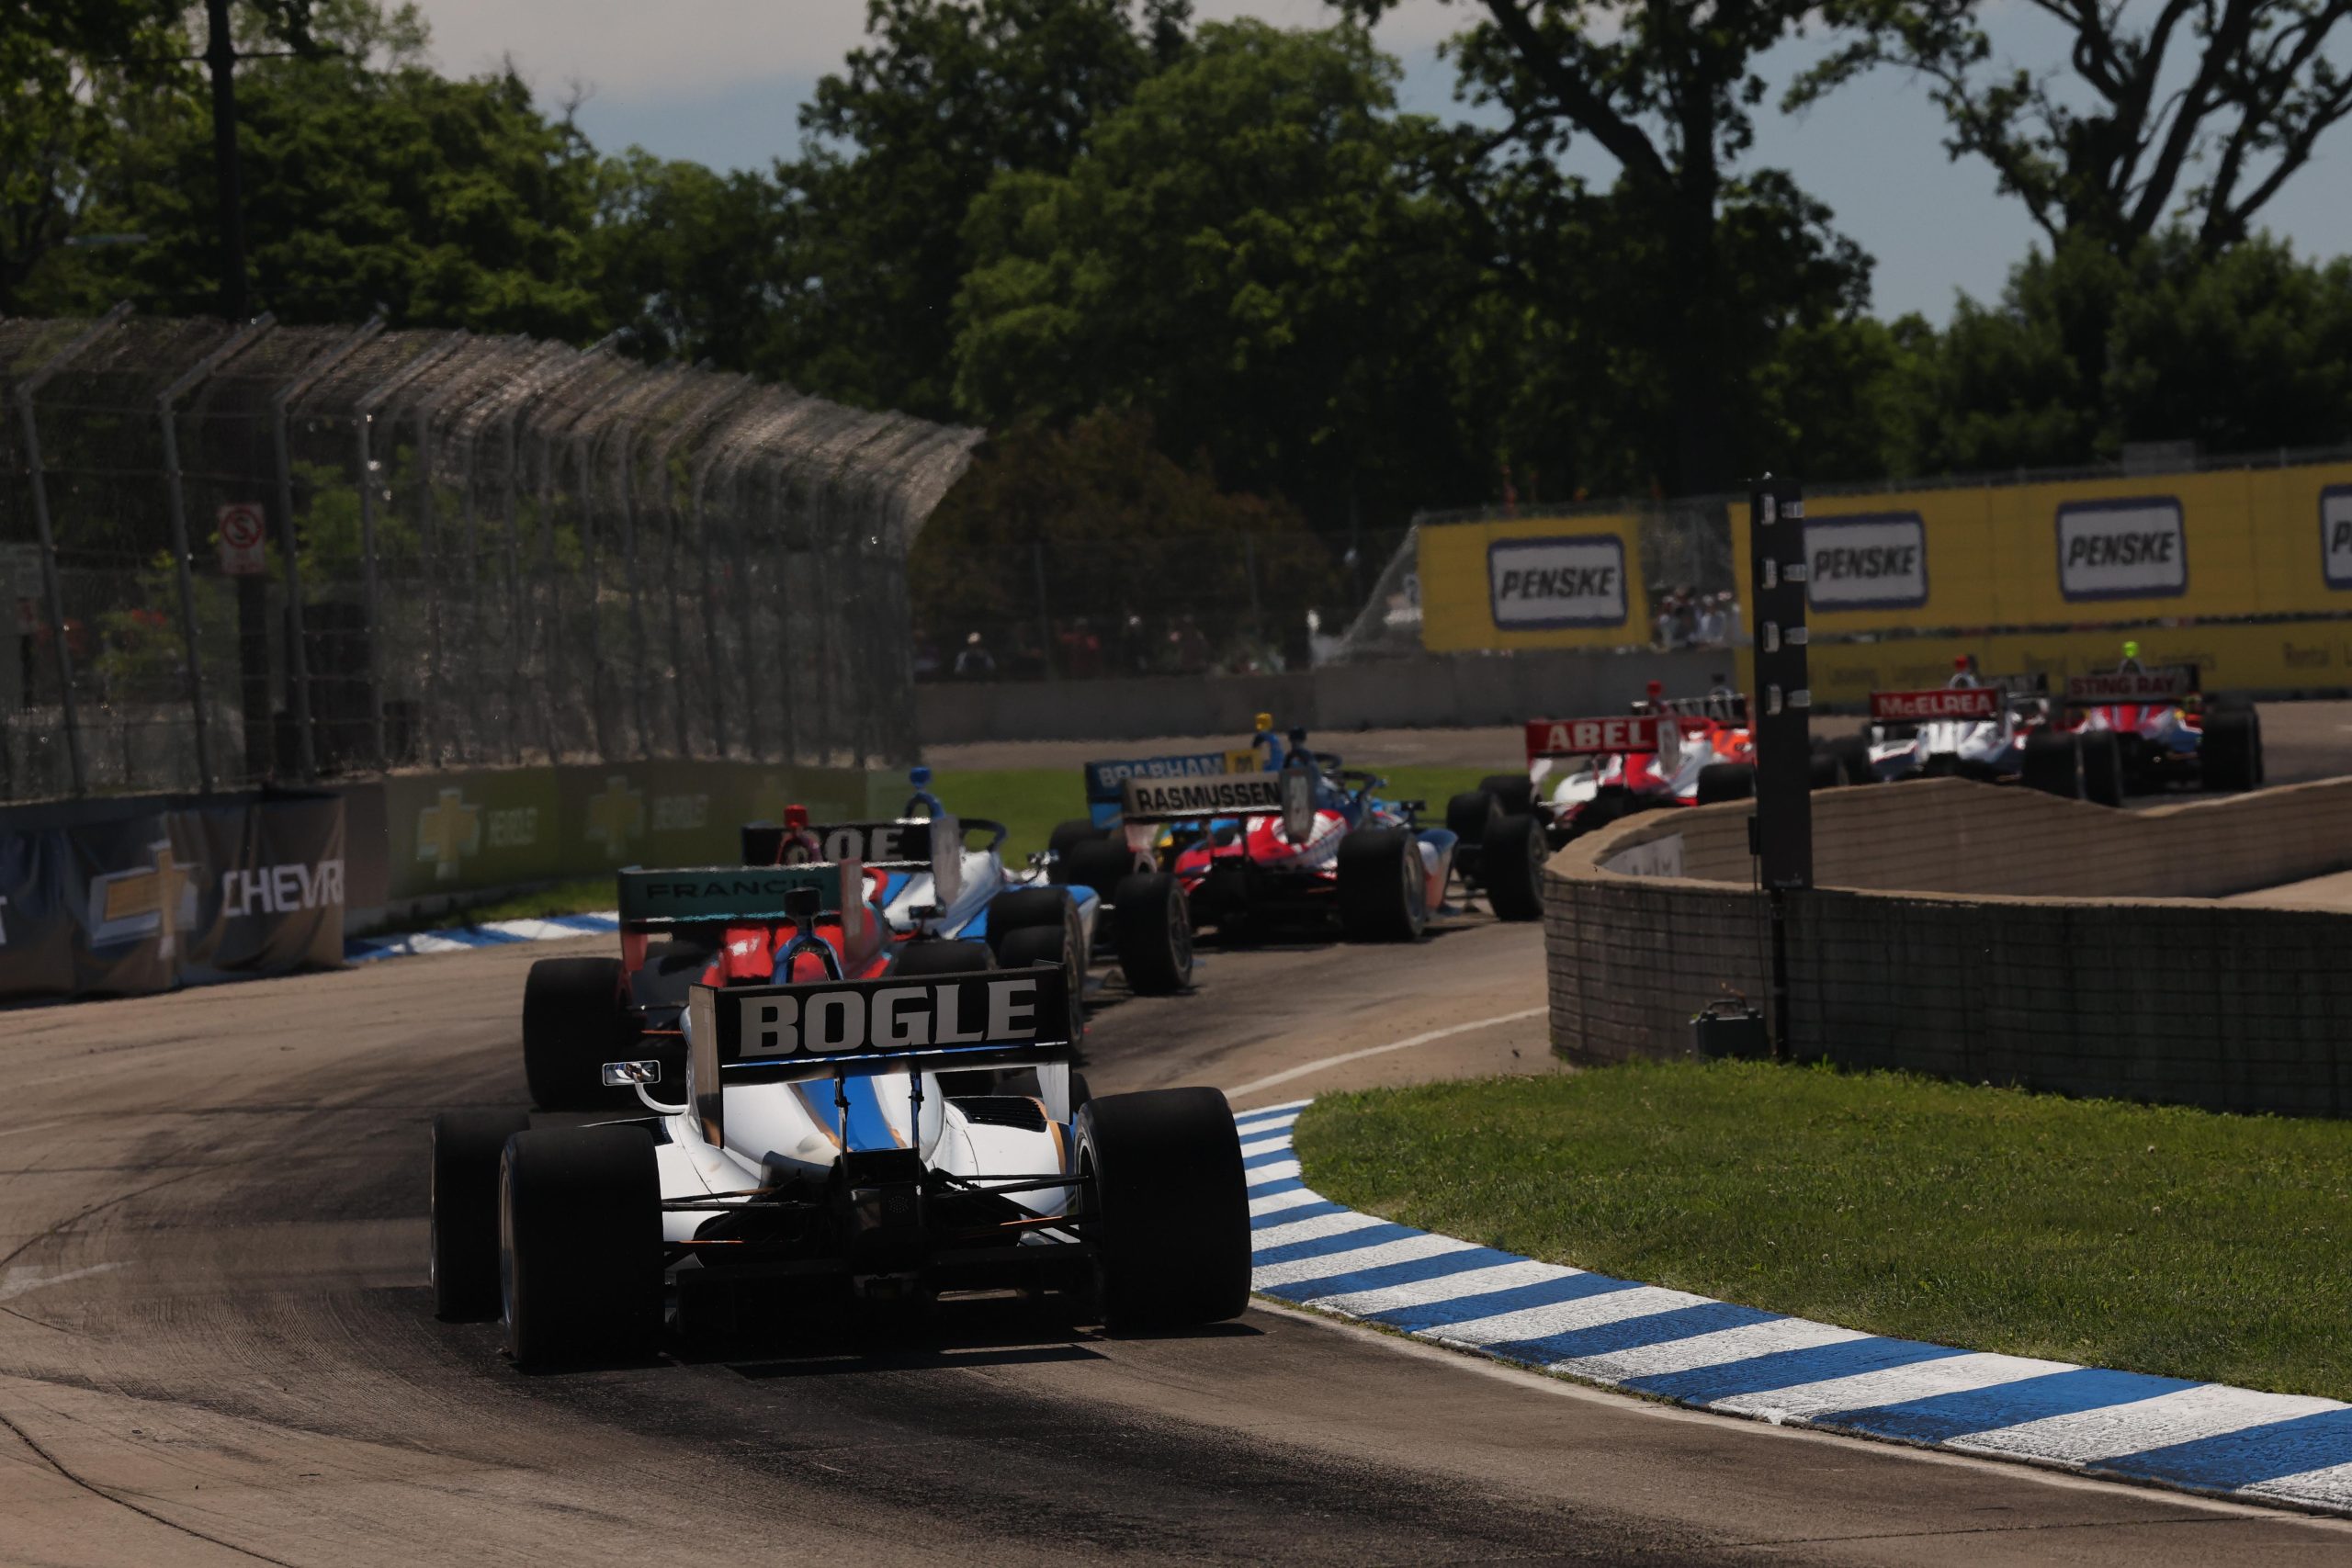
(158, 900)
(616, 815)
(447, 832)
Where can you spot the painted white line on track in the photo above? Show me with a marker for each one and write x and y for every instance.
(1291, 1075)
(21, 1279)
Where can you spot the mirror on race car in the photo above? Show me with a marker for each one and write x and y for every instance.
(1298, 803)
(625, 1075)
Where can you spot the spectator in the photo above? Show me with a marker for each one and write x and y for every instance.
(974, 663)
(1082, 651)
(1711, 622)
(1734, 634)
(1191, 645)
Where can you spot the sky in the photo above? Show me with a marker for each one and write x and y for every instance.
(719, 82)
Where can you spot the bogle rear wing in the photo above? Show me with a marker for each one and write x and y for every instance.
(824, 1028)
(737, 895)
(934, 844)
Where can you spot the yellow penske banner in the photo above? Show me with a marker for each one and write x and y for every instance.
(2051, 577)
(1533, 582)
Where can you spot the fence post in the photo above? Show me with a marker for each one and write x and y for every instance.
(583, 448)
(51, 589)
(297, 661)
(166, 416)
(704, 412)
(627, 431)
(363, 419)
(708, 617)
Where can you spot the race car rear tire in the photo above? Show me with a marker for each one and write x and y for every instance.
(1048, 945)
(1853, 754)
(2230, 754)
(1067, 837)
(1101, 864)
(1383, 888)
(944, 957)
(2052, 764)
(1824, 770)
(580, 1244)
(1151, 929)
(1466, 818)
(1025, 909)
(2102, 759)
(1727, 781)
(1513, 792)
(1516, 851)
(574, 1020)
(1171, 1207)
(463, 1236)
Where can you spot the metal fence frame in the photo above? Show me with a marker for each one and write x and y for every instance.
(482, 550)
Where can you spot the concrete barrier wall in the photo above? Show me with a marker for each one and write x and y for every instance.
(1388, 694)
(2174, 999)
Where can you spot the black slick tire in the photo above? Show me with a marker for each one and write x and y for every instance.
(1101, 864)
(2052, 764)
(1466, 817)
(1382, 889)
(1151, 929)
(574, 1020)
(1169, 1207)
(1028, 908)
(2101, 752)
(1853, 754)
(467, 1146)
(1516, 849)
(1048, 945)
(1824, 770)
(1068, 836)
(579, 1246)
(2230, 754)
(1513, 792)
(1727, 781)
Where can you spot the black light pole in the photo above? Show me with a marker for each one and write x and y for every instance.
(236, 305)
(220, 55)
(1781, 718)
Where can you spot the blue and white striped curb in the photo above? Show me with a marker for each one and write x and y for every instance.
(1711, 1355)
(497, 933)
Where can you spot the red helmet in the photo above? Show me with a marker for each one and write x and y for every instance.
(796, 816)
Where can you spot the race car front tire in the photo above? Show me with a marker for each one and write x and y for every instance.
(574, 1020)
(1151, 929)
(1026, 909)
(1727, 781)
(1067, 837)
(2102, 758)
(1514, 793)
(1101, 864)
(467, 1146)
(1048, 945)
(2230, 754)
(1171, 1207)
(1467, 816)
(1516, 849)
(580, 1244)
(1383, 889)
(2052, 764)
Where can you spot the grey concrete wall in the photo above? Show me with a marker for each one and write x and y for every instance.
(1468, 689)
(2104, 991)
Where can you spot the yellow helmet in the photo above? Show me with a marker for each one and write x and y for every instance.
(1265, 722)
(2132, 648)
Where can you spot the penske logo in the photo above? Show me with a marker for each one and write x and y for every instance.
(157, 899)
(1535, 584)
(2335, 534)
(1258, 795)
(1873, 562)
(2123, 549)
(1948, 703)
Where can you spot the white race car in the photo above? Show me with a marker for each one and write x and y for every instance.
(842, 1144)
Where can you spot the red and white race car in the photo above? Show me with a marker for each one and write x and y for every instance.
(2145, 728)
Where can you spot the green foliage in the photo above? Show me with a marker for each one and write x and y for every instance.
(2168, 1241)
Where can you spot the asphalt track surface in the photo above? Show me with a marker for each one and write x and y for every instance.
(217, 1345)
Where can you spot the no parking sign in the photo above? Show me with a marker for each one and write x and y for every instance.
(241, 538)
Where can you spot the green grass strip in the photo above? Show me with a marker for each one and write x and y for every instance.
(2156, 1239)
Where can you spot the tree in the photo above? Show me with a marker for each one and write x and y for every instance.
(1667, 90)
(2199, 116)
(688, 263)
(949, 94)
(1244, 255)
(369, 182)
